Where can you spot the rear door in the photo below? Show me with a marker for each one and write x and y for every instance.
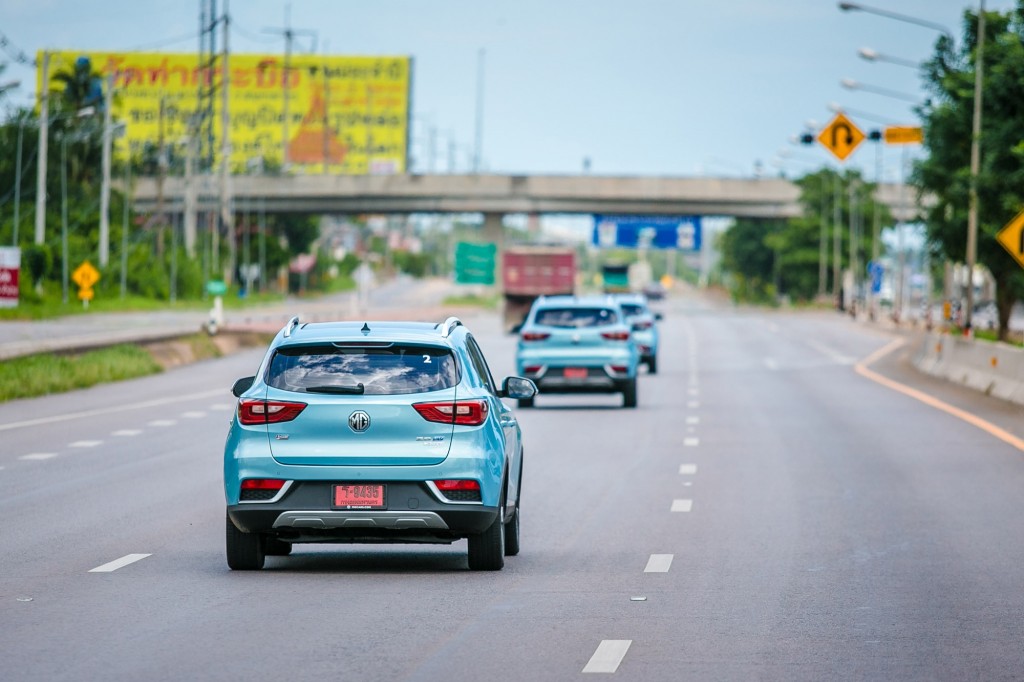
(359, 404)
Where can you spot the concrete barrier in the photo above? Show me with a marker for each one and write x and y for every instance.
(995, 369)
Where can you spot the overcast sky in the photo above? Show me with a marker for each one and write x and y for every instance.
(640, 87)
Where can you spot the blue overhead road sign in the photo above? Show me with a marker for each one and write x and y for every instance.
(647, 232)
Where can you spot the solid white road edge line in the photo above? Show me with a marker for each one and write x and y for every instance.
(38, 456)
(608, 656)
(119, 563)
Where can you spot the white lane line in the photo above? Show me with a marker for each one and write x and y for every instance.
(608, 656)
(691, 442)
(193, 415)
(85, 443)
(108, 410)
(687, 469)
(119, 563)
(830, 353)
(693, 404)
(123, 433)
(693, 391)
(221, 407)
(37, 456)
(693, 420)
(163, 422)
(682, 505)
(659, 563)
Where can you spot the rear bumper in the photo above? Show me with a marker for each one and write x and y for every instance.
(598, 380)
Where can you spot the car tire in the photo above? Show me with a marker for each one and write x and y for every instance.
(512, 534)
(526, 402)
(487, 549)
(629, 394)
(276, 547)
(652, 364)
(245, 551)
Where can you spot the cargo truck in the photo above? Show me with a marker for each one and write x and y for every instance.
(528, 272)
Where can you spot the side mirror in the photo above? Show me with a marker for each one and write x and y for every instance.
(637, 327)
(242, 385)
(658, 317)
(516, 328)
(518, 388)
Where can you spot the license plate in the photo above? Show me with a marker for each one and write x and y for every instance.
(575, 372)
(359, 496)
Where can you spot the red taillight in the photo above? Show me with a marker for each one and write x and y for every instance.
(532, 369)
(616, 336)
(619, 369)
(448, 485)
(644, 325)
(464, 412)
(262, 484)
(252, 412)
(534, 336)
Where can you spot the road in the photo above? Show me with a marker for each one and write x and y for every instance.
(768, 512)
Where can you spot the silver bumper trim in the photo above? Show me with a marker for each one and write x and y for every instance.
(393, 520)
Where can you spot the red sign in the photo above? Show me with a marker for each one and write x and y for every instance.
(10, 264)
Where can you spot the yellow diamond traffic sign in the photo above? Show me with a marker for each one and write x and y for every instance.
(1012, 238)
(85, 275)
(841, 137)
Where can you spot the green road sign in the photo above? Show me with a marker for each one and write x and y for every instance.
(475, 263)
(216, 287)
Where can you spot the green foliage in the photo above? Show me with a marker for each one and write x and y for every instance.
(945, 173)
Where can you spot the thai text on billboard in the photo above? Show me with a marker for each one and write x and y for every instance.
(363, 100)
(10, 264)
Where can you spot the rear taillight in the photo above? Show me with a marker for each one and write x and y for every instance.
(464, 412)
(616, 336)
(534, 336)
(452, 484)
(262, 484)
(251, 412)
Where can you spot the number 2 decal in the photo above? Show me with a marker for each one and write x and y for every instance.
(426, 359)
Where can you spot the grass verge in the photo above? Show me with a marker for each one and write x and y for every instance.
(36, 375)
(486, 301)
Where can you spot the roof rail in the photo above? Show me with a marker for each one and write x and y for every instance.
(448, 325)
(291, 325)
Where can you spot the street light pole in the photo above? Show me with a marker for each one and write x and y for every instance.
(44, 137)
(105, 181)
(972, 209)
(856, 6)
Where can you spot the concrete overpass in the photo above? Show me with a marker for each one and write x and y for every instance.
(495, 195)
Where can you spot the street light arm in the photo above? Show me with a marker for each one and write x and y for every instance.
(856, 6)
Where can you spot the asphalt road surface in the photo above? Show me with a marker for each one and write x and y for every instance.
(767, 513)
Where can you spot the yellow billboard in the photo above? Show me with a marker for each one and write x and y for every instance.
(352, 111)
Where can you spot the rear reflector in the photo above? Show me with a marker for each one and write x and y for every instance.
(464, 412)
(448, 485)
(252, 412)
(619, 369)
(534, 336)
(262, 484)
(616, 336)
(644, 325)
(532, 369)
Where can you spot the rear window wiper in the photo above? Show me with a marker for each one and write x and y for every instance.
(337, 388)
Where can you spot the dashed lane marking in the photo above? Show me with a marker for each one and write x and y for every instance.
(85, 443)
(691, 442)
(110, 410)
(693, 404)
(221, 407)
(119, 563)
(693, 420)
(682, 505)
(38, 456)
(124, 433)
(193, 415)
(687, 469)
(608, 656)
(659, 563)
(771, 364)
(163, 422)
(830, 353)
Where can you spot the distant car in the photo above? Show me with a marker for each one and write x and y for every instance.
(655, 291)
(572, 344)
(645, 328)
(373, 432)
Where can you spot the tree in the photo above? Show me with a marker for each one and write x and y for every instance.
(945, 173)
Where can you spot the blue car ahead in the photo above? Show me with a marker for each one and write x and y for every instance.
(645, 328)
(571, 344)
(373, 432)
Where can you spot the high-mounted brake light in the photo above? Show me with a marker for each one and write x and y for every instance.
(252, 412)
(534, 336)
(464, 412)
(448, 485)
(616, 336)
(262, 484)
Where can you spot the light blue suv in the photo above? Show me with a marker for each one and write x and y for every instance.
(645, 328)
(571, 344)
(376, 432)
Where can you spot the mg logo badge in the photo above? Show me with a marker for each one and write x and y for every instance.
(359, 421)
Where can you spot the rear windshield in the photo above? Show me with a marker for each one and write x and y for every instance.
(576, 318)
(392, 370)
(632, 309)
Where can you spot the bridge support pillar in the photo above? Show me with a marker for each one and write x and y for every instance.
(494, 233)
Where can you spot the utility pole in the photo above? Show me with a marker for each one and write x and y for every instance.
(17, 183)
(108, 134)
(972, 210)
(190, 191)
(823, 238)
(226, 214)
(479, 133)
(44, 136)
(837, 239)
(289, 36)
(327, 119)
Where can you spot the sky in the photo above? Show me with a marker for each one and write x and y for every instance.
(638, 87)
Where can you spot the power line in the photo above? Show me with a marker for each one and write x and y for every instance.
(15, 52)
(164, 43)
